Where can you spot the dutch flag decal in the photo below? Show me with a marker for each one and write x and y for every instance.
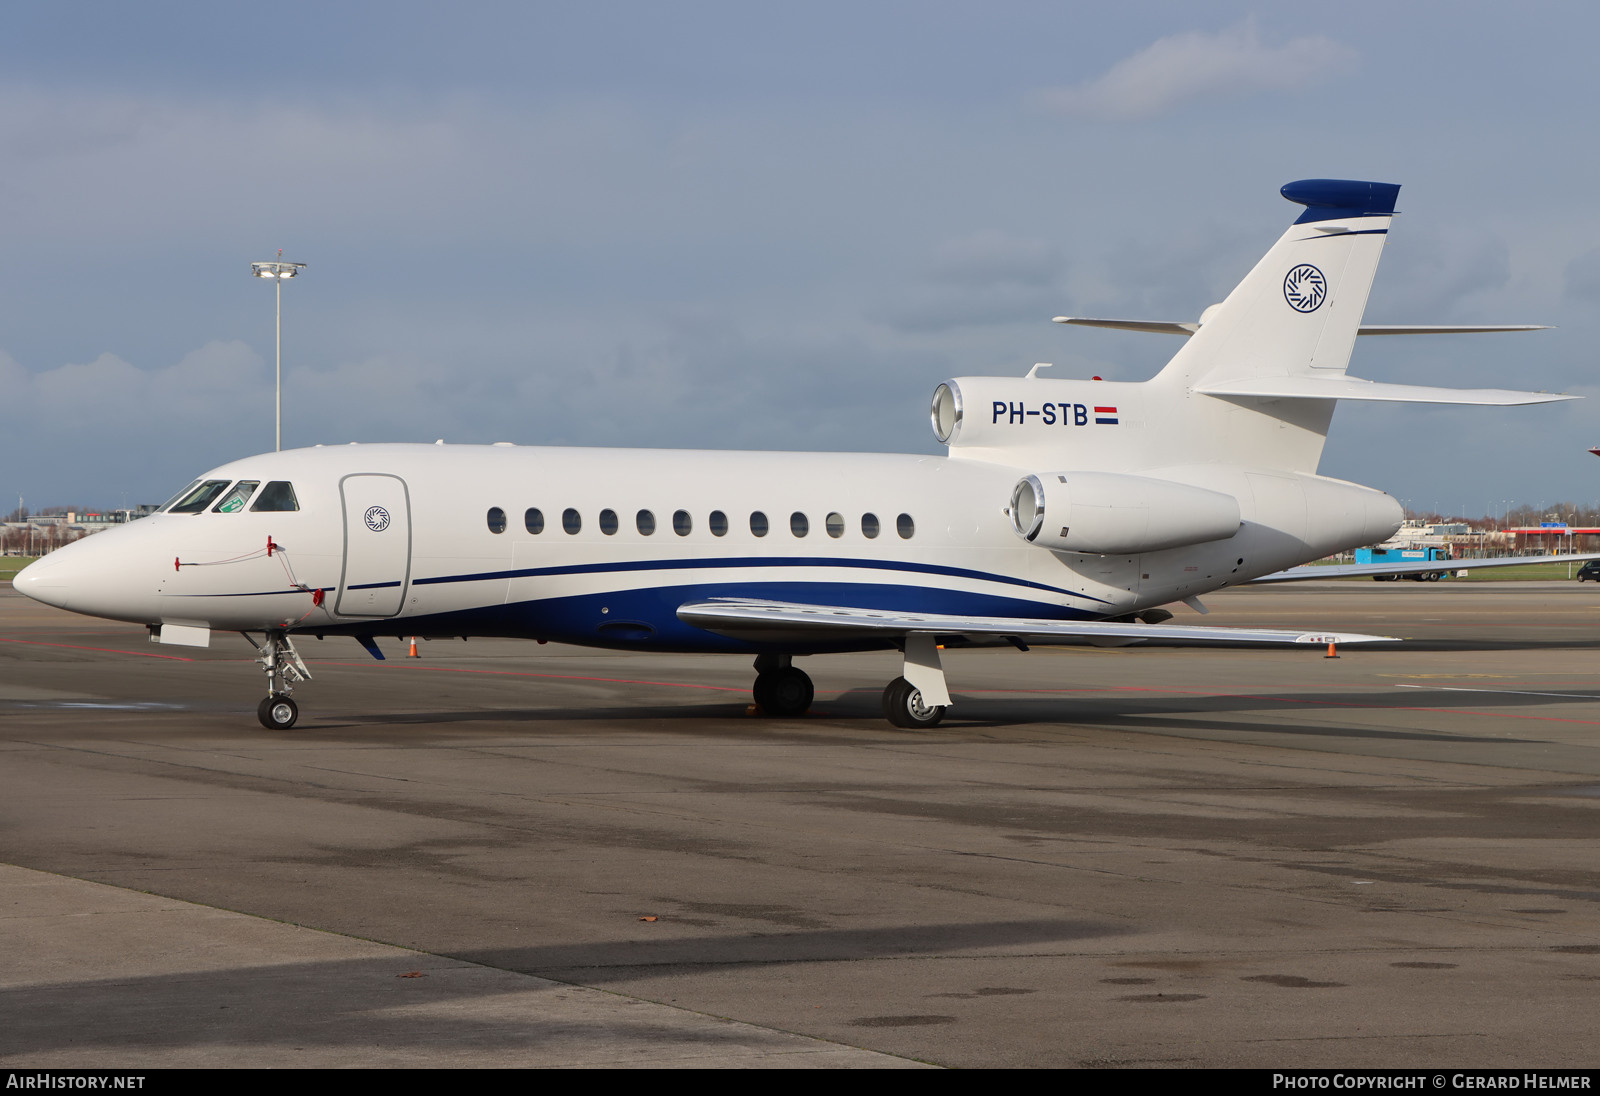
(1105, 416)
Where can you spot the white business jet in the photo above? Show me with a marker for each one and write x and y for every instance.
(1066, 511)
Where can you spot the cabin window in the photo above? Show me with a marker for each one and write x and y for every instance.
(497, 520)
(798, 525)
(758, 523)
(905, 526)
(533, 520)
(869, 525)
(835, 525)
(645, 522)
(199, 497)
(682, 523)
(234, 500)
(571, 520)
(608, 522)
(276, 497)
(718, 521)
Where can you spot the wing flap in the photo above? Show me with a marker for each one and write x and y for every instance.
(780, 621)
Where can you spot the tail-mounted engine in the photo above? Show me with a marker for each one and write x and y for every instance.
(1108, 513)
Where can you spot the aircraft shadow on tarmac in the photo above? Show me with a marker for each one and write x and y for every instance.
(591, 964)
(1069, 707)
(382, 1001)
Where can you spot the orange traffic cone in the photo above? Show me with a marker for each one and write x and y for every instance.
(1331, 652)
(413, 653)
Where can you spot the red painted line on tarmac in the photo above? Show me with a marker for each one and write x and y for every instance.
(109, 650)
(551, 677)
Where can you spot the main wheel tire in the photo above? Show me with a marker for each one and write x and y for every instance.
(784, 693)
(761, 692)
(277, 712)
(903, 706)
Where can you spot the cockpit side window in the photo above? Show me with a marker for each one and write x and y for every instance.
(276, 497)
(199, 497)
(234, 500)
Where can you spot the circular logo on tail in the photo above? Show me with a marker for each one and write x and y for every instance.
(1305, 288)
(377, 519)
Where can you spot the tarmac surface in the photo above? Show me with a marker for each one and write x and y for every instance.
(510, 854)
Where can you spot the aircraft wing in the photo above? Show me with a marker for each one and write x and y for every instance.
(1410, 567)
(781, 621)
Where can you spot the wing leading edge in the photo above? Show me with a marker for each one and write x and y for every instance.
(785, 621)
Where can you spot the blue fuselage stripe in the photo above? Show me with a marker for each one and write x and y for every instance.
(745, 562)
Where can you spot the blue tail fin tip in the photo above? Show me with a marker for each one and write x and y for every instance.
(1331, 199)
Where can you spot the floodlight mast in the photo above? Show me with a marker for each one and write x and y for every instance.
(279, 271)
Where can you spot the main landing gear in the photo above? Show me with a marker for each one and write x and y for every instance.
(781, 690)
(916, 699)
(904, 706)
(283, 667)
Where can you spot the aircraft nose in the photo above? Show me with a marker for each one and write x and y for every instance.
(43, 580)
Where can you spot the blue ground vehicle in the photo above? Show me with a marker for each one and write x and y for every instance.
(1407, 555)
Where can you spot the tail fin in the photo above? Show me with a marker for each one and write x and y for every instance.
(1298, 311)
(1295, 315)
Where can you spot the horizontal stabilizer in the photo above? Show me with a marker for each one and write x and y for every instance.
(1159, 327)
(1436, 329)
(1353, 388)
(1179, 327)
(1410, 567)
(778, 621)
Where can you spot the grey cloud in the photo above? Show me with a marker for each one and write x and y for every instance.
(1196, 64)
(1582, 282)
(1167, 276)
(1428, 277)
(136, 433)
(979, 279)
(936, 308)
(991, 257)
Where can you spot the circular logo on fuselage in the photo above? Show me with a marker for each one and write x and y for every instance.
(377, 519)
(1305, 288)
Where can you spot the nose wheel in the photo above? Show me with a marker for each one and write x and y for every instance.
(278, 712)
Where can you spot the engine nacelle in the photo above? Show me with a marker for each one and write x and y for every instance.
(1109, 513)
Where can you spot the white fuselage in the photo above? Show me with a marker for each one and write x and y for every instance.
(400, 540)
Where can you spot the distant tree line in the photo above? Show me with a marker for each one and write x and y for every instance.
(1573, 513)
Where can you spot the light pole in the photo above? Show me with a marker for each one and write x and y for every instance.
(279, 271)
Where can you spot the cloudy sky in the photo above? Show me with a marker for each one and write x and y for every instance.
(759, 225)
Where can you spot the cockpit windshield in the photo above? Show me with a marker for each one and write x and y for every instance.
(198, 497)
(165, 506)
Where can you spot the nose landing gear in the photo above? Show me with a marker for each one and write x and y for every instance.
(283, 667)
